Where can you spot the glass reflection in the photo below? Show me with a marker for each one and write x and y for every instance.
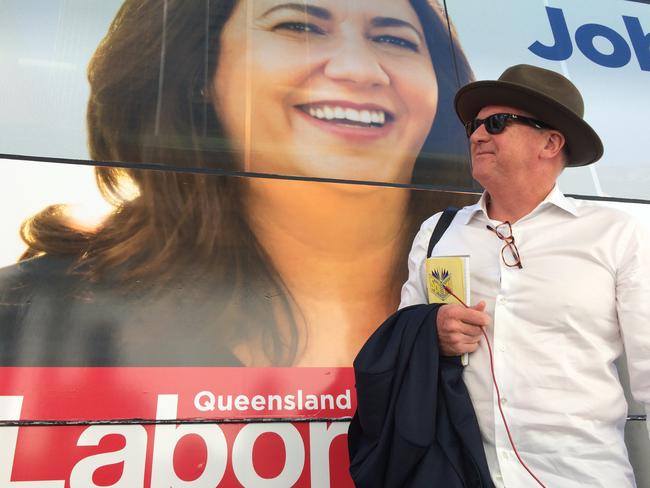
(193, 269)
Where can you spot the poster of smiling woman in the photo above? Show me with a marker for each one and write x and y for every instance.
(183, 96)
(207, 206)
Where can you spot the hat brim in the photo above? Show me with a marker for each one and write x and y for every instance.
(583, 144)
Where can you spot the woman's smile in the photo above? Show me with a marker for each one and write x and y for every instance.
(348, 121)
(341, 113)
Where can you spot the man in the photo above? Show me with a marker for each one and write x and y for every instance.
(560, 286)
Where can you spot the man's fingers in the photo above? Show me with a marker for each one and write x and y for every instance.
(480, 306)
(467, 330)
(460, 328)
(458, 345)
(473, 336)
(470, 316)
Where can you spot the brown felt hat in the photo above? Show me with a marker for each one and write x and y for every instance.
(545, 94)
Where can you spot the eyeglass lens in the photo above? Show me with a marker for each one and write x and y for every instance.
(510, 255)
(494, 124)
(504, 230)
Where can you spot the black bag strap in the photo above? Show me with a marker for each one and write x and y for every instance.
(443, 222)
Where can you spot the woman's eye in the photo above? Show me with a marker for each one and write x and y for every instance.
(299, 27)
(397, 41)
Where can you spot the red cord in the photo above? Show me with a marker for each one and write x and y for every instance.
(496, 388)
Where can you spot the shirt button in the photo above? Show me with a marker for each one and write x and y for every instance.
(503, 401)
(502, 300)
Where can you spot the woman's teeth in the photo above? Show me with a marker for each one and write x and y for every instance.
(373, 118)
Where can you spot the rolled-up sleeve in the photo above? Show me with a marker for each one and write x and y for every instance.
(414, 291)
(633, 308)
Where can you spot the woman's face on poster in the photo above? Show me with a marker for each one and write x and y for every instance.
(326, 88)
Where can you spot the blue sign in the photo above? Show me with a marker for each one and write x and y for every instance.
(620, 55)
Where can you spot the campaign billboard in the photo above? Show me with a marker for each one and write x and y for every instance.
(207, 208)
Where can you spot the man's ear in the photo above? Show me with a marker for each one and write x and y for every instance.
(555, 141)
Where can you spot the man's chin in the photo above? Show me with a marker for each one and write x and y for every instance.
(481, 175)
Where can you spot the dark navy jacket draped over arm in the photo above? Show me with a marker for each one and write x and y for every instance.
(415, 425)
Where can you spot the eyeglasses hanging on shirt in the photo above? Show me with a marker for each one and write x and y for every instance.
(510, 257)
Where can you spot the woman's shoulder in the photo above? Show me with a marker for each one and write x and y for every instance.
(52, 314)
(43, 272)
(40, 264)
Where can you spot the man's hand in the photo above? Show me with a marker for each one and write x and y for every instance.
(459, 328)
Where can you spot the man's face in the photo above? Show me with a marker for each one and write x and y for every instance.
(500, 159)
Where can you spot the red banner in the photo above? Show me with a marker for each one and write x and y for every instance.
(131, 453)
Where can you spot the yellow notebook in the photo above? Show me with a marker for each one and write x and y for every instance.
(451, 272)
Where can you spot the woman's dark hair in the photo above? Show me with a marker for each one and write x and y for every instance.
(444, 160)
(147, 105)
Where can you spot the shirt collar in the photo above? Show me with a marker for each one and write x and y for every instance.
(472, 210)
(554, 198)
(557, 198)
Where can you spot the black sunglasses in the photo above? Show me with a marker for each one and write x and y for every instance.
(496, 123)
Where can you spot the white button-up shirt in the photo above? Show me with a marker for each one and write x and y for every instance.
(580, 300)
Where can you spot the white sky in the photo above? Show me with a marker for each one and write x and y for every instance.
(28, 187)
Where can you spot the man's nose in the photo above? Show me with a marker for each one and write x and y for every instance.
(479, 135)
(354, 60)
